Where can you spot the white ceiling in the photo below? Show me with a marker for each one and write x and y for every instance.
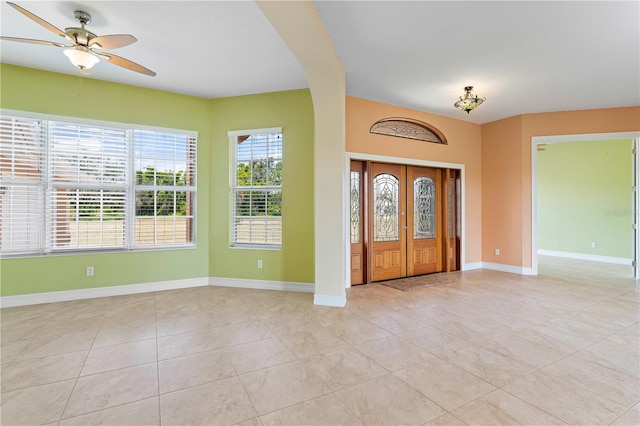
(525, 57)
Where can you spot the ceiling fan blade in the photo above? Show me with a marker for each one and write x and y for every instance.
(32, 41)
(125, 63)
(41, 21)
(112, 41)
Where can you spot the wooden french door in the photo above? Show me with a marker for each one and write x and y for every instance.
(424, 213)
(387, 210)
(404, 221)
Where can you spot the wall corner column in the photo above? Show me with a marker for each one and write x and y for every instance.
(301, 28)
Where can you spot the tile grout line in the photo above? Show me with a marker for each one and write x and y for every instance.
(80, 372)
(155, 311)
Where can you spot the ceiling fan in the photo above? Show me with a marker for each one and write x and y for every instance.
(86, 48)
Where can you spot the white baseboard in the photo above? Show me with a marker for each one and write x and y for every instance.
(471, 266)
(582, 256)
(497, 267)
(507, 268)
(91, 293)
(329, 300)
(262, 284)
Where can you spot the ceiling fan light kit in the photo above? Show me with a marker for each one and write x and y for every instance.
(81, 53)
(81, 57)
(468, 102)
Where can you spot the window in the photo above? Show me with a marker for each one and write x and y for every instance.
(256, 188)
(164, 191)
(70, 186)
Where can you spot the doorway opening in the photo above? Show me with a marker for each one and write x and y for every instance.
(404, 221)
(610, 220)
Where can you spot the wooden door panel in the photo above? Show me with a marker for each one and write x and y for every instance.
(424, 219)
(418, 257)
(386, 264)
(356, 264)
(388, 221)
(387, 259)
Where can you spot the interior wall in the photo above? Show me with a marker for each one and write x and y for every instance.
(463, 148)
(584, 196)
(44, 92)
(499, 136)
(293, 111)
(74, 96)
(501, 191)
(301, 28)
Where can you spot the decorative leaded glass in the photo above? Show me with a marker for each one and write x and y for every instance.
(452, 191)
(424, 208)
(408, 128)
(385, 212)
(355, 207)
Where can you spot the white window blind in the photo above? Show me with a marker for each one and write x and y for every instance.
(88, 186)
(256, 188)
(68, 186)
(21, 185)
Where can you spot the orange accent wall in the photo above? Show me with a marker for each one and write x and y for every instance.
(463, 148)
(497, 159)
(506, 172)
(502, 202)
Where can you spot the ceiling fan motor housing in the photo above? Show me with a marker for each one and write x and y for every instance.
(81, 35)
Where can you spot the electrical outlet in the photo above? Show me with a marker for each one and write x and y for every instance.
(89, 271)
(497, 252)
(259, 264)
(594, 245)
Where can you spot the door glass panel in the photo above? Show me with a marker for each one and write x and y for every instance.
(424, 205)
(355, 207)
(385, 212)
(452, 193)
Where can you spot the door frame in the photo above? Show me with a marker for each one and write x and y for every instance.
(407, 162)
(586, 137)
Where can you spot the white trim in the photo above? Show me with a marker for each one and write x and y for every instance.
(535, 140)
(329, 300)
(534, 205)
(635, 203)
(262, 284)
(346, 218)
(234, 133)
(471, 266)
(586, 137)
(234, 188)
(507, 268)
(402, 160)
(92, 122)
(91, 293)
(582, 256)
(410, 162)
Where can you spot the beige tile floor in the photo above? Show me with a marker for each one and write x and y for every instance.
(495, 348)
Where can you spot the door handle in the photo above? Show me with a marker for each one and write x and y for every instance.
(404, 227)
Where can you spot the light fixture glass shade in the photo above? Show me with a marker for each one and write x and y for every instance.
(81, 57)
(469, 101)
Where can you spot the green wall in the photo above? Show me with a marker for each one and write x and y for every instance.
(75, 96)
(38, 91)
(584, 196)
(293, 111)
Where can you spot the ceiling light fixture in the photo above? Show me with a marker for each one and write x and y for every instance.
(82, 58)
(469, 101)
